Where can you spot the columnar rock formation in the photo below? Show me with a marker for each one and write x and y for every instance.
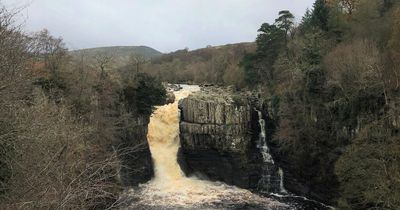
(220, 139)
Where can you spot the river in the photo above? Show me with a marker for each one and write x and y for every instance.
(171, 189)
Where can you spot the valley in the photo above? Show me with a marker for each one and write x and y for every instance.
(300, 111)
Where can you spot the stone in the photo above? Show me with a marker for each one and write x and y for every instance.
(219, 139)
(134, 153)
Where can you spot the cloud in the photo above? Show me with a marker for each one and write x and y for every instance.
(166, 25)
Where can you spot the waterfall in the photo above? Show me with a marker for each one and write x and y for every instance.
(281, 185)
(272, 177)
(170, 187)
(262, 142)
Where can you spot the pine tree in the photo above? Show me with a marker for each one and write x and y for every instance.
(285, 22)
(305, 24)
(320, 15)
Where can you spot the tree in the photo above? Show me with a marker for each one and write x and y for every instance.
(305, 24)
(369, 170)
(103, 61)
(252, 74)
(258, 66)
(320, 15)
(393, 58)
(50, 50)
(48, 158)
(143, 94)
(356, 66)
(387, 4)
(14, 86)
(285, 22)
(137, 61)
(234, 75)
(270, 42)
(349, 5)
(14, 52)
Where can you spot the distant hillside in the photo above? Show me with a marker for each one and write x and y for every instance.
(122, 51)
(213, 64)
(120, 54)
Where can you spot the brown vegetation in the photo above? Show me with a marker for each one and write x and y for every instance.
(60, 123)
(216, 65)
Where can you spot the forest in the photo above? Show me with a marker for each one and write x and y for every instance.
(333, 83)
(64, 122)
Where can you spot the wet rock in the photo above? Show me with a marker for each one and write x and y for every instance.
(172, 87)
(134, 153)
(170, 97)
(219, 138)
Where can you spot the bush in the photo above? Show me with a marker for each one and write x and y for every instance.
(143, 94)
(50, 163)
(369, 170)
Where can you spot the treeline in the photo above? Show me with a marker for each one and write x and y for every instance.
(333, 82)
(212, 65)
(62, 122)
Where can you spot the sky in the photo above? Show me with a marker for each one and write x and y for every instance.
(165, 25)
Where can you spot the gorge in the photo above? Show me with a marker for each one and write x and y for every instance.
(290, 112)
(207, 155)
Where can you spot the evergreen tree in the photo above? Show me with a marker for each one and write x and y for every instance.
(305, 24)
(285, 22)
(320, 15)
(270, 43)
(252, 75)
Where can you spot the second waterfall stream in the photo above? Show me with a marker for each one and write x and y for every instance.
(170, 188)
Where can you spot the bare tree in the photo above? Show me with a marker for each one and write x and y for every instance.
(48, 158)
(349, 6)
(137, 61)
(103, 62)
(13, 51)
(356, 66)
(50, 50)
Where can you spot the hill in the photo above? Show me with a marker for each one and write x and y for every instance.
(120, 54)
(213, 64)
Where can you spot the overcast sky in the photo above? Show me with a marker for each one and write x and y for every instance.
(166, 25)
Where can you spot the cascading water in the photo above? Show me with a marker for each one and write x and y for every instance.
(272, 180)
(262, 142)
(170, 189)
(272, 176)
(281, 184)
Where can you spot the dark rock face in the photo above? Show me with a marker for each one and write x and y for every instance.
(228, 167)
(219, 140)
(134, 153)
(293, 180)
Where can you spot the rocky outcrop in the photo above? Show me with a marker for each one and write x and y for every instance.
(220, 140)
(134, 152)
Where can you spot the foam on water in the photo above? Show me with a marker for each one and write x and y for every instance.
(170, 187)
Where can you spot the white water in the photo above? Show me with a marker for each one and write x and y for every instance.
(170, 187)
(281, 185)
(267, 158)
(262, 145)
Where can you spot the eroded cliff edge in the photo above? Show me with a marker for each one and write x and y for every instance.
(134, 152)
(220, 139)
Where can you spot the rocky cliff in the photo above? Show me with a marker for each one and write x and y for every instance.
(133, 147)
(134, 152)
(220, 139)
